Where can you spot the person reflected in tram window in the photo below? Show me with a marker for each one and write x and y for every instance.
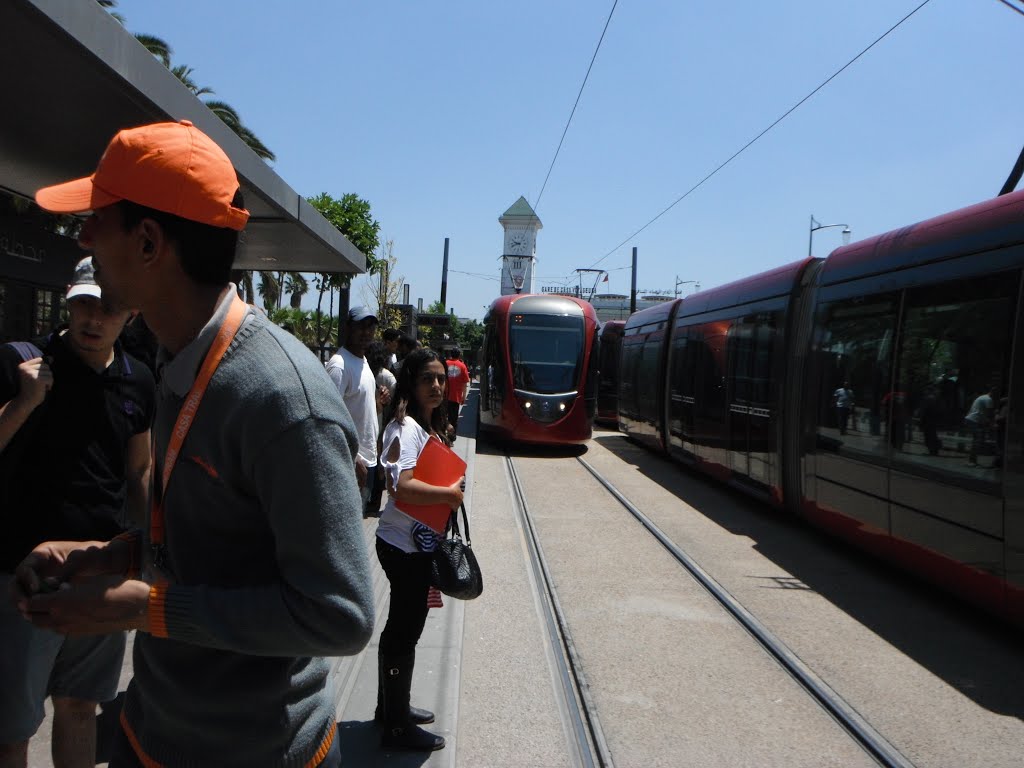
(842, 398)
(929, 417)
(979, 420)
(404, 545)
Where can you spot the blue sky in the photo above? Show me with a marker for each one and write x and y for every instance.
(442, 114)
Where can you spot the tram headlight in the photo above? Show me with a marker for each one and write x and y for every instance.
(527, 405)
(561, 406)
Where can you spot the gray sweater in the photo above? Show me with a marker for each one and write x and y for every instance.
(267, 570)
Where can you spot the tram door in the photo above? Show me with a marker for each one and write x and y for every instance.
(752, 439)
(682, 354)
(710, 403)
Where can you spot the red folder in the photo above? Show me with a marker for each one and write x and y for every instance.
(437, 464)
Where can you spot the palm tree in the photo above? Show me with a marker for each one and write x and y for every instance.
(296, 286)
(159, 48)
(108, 4)
(233, 120)
(269, 290)
(184, 73)
(162, 50)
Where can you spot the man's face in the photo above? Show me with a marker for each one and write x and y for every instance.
(114, 255)
(360, 335)
(391, 346)
(93, 326)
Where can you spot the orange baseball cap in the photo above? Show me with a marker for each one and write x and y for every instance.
(170, 167)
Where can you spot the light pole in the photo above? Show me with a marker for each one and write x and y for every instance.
(815, 226)
(696, 284)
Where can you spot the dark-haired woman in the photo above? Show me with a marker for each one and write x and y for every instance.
(404, 545)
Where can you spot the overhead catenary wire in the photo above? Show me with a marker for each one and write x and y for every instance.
(573, 112)
(750, 143)
(1010, 5)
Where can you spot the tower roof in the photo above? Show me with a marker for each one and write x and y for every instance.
(520, 212)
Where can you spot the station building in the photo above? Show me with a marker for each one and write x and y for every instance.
(74, 78)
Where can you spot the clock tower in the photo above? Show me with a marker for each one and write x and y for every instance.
(519, 256)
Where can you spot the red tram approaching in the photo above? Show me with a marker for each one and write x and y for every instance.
(538, 366)
(876, 393)
(610, 349)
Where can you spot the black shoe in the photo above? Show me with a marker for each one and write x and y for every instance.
(417, 716)
(410, 737)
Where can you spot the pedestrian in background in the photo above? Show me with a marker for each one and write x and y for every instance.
(404, 545)
(352, 376)
(257, 568)
(458, 386)
(377, 357)
(74, 464)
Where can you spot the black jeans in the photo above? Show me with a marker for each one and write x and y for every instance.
(409, 574)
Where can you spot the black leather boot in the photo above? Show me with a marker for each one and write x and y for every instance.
(416, 715)
(400, 732)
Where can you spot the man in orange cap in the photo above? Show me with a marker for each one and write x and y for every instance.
(255, 567)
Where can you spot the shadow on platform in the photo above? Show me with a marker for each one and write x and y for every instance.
(360, 745)
(970, 650)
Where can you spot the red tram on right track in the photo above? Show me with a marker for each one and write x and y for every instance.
(875, 393)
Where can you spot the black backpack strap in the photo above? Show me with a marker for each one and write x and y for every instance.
(26, 349)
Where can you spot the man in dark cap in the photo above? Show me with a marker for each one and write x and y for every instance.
(74, 464)
(355, 381)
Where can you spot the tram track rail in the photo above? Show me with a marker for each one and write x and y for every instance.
(845, 715)
(579, 711)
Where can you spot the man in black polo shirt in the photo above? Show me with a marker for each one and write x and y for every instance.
(74, 461)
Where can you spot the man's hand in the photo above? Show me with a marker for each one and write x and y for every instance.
(34, 380)
(97, 606)
(361, 474)
(383, 396)
(54, 562)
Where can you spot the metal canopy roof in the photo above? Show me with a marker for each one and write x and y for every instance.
(73, 77)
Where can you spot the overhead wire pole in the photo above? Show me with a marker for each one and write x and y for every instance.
(573, 112)
(750, 143)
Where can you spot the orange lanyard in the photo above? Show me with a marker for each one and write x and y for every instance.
(186, 416)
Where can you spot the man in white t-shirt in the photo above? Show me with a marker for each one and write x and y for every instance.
(351, 374)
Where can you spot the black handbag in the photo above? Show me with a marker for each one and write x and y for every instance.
(454, 569)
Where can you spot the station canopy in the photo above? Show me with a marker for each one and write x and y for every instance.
(73, 77)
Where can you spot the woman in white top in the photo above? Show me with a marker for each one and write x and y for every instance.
(404, 545)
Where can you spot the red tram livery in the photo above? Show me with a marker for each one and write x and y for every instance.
(875, 393)
(538, 369)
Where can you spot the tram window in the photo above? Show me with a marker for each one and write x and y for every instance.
(949, 397)
(546, 352)
(856, 358)
(3, 310)
(709, 387)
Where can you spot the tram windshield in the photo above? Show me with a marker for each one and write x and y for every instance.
(545, 351)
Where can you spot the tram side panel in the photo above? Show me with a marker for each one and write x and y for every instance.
(909, 477)
(608, 372)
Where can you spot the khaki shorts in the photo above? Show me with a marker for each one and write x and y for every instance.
(36, 663)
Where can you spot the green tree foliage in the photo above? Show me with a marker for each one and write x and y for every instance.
(352, 217)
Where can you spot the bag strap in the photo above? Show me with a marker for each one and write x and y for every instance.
(453, 524)
(465, 520)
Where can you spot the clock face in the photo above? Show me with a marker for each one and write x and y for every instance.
(517, 243)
